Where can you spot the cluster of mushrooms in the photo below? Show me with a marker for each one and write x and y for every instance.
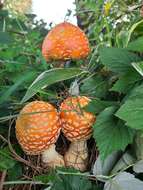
(39, 123)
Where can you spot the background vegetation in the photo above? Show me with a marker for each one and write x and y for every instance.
(111, 76)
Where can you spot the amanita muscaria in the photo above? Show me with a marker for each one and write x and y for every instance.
(37, 129)
(77, 127)
(65, 42)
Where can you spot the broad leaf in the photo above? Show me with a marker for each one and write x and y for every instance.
(117, 59)
(71, 182)
(136, 45)
(132, 113)
(95, 86)
(126, 81)
(124, 181)
(111, 134)
(97, 105)
(50, 77)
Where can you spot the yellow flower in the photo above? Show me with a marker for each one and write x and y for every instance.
(107, 8)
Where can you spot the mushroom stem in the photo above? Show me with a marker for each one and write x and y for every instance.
(52, 158)
(77, 155)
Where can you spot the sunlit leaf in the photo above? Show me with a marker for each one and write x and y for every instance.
(50, 77)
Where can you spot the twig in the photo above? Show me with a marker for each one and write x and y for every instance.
(3, 179)
(4, 139)
(23, 182)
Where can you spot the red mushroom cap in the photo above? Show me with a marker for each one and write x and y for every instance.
(65, 41)
(76, 123)
(37, 127)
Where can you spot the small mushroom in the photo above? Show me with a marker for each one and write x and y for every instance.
(77, 127)
(37, 129)
(65, 42)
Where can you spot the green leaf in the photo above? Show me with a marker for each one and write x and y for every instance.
(50, 77)
(117, 59)
(136, 45)
(6, 161)
(15, 172)
(97, 105)
(28, 76)
(95, 86)
(132, 29)
(5, 38)
(71, 182)
(111, 134)
(132, 113)
(139, 67)
(135, 93)
(45, 178)
(126, 81)
(124, 181)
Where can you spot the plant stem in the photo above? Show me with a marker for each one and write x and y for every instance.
(3, 179)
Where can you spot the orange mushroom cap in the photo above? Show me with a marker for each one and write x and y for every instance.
(37, 127)
(76, 123)
(65, 41)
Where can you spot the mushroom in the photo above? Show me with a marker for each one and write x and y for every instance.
(65, 42)
(77, 127)
(37, 129)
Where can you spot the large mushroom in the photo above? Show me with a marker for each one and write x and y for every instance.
(77, 127)
(37, 129)
(65, 42)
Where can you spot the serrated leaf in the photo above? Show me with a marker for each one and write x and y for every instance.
(110, 134)
(138, 67)
(72, 182)
(138, 167)
(97, 105)
(117, 59)
(132, 113)
(126, 81)
(45, 178)
(136, 45)
(50, 77)
(124, 181)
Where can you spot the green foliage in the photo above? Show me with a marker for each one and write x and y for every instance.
(136, 45)
(111, 77)
(6, 161)
(110, 133)
(126, 81)
(95, 86)
(131, 112)
(117, 59)
(50, 77)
